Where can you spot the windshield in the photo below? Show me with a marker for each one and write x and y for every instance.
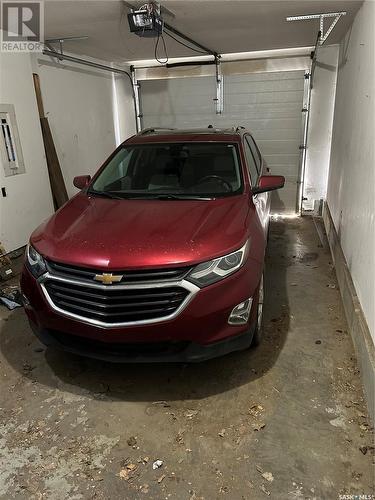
(173, 170)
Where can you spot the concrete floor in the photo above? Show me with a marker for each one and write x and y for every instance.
(286, 420)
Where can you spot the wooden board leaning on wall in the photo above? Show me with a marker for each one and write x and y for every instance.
(6, 270)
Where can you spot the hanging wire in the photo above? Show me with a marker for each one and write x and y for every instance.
(165, 50)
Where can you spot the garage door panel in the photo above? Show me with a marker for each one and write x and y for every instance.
(278, 146)
(174, 113)
(163, 108)
(177, 85)
(289, 171)
(263, 125)
(265, 98)
(267, 77)
(263, 110)
(268, 104)
(175, 122)
(177, 103)
(282, 161)
(263, 87)
(266, 134)
(273, 124)
(187, 121)
(183, 102)
(274, 134)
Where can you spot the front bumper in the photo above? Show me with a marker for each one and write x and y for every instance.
(155, 352)
(200, 331)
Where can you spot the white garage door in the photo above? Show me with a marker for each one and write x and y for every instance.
(268, 104)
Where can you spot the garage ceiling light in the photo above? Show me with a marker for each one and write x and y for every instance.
(323, 36)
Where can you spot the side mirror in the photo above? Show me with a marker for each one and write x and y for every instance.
(81, 181)
(269, 183)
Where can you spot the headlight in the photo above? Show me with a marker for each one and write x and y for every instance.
(35, 262)
(215, 270)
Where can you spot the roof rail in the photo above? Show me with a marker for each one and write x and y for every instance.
(153, 129)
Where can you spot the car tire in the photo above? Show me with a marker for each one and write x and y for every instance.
(257, 337)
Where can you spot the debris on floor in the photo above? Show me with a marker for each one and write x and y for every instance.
(157, 464)
(132, 441)
(268, 476)
(10, 296)
(189, 414)
(265, 491)
(258, 426)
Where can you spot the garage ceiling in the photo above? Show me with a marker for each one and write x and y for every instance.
(225, 26)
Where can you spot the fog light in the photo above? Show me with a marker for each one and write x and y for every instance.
(241, 313)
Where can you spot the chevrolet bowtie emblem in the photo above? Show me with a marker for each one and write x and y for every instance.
(108, 278)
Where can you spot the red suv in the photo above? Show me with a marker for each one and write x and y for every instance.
(160, 256)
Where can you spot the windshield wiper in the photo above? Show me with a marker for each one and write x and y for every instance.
(145, 196)
(178, 197)
(106, 194)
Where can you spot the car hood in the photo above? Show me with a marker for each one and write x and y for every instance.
(122, 234)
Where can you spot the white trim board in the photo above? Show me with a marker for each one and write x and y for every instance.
(267, 65)
(363, 344)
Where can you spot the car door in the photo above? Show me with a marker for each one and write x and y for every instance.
(256, 168)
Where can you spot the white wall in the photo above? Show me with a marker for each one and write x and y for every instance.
(125, 108)
(29, 199)
(320, 125)
(78, 102)
(351, 185)
(89, 111)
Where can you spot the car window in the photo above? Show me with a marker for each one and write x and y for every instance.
(251, 165)
(200, 169)
(255, 151)
(116, 169)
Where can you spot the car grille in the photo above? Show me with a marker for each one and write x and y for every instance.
(110, 305)
(138, 276)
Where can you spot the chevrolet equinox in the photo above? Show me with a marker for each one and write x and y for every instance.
(160, 255)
